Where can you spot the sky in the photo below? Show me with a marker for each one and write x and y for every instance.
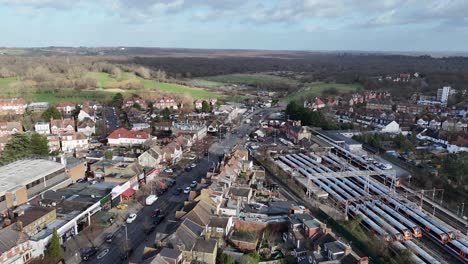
(367, 25)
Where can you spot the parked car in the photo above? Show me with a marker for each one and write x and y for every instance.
(151, 199)
(171, 183)
(162, 191)
(188, 168)
(193, 184)
(187, 190)
(177, 191)
(88, 252)
(109, 237)
(193, 165)
(150, 229)
(131, 218)
(169, 170)
(122, 206)
(126, 254)
(81, 180)
(155, 213)
(158, 219)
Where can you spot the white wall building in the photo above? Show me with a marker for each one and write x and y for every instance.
(443, 94)
(42, 128)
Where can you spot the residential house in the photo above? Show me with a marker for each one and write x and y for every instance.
(87, 127)
(13, 106)
(125, 137)
(198, 104)
(173, 152)
(88, 113)
(197, 131)
(54, 142)
(14, 246)
(94, 105)
(219, 227)
(140, 126)
(242, 194)
(379, 106)
(204, 251)
(316, 104)
(435, 124)
(185, 237)
(168, 256)
(42, 128)
(389, 127)
(66, 108)
(152, 157)
(75, 141)
(301, 228)
(10, 128)
(165, 102)
(453, 125)
(62, 126)
(134, 100)
(38, 107)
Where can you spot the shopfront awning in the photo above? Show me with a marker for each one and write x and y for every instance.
(128, 193)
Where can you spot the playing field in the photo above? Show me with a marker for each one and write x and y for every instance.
(312, 90)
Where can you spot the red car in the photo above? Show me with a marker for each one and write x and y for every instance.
(155, 213)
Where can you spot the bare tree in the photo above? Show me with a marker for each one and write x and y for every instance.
(143, 72)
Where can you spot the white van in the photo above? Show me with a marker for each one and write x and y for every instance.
(151, 199)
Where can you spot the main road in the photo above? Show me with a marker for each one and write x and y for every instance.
(169, 203)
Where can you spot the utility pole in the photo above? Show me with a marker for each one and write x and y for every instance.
(462, 209)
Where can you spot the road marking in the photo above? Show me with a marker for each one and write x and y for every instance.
(103, 253)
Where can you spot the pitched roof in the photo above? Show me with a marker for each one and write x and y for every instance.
(239, 191)
(205, 246)
(62, 123)
(13, 101)
(125, 133)
(87, 122)
(217, 221)
(9, 126)
(10, 237)
(170, 253)
(65, 104)
(200, 214)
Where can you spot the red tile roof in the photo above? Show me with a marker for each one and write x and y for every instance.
(125, 133)
(65, 104)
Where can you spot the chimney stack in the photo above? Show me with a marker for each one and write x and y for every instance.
(19, 225)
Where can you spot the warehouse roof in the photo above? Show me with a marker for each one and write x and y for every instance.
(22, 172)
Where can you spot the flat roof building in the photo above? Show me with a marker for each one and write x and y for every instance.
(22, 180)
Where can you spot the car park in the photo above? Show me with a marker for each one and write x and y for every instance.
(88, 252)
(187, 190)
(131, 218)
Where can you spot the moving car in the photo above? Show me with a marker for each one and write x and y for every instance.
(155, 213)
(193, 184)
(88, 252)
(187, 190)
(177, 191)
(131, 218)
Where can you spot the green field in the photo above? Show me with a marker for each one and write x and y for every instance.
(249, 79)
(311, 90)
(205, 83)
(106, 81)
(69, 95)
(7, 82)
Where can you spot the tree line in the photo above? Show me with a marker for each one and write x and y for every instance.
(309, 117)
